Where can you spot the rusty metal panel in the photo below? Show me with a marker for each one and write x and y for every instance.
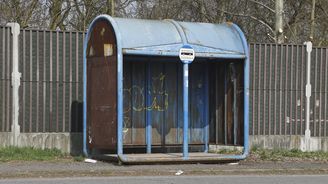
(127, 104)
(102, 102)
(102, 88)
(159, 97)
(217, 109)
(226, 102)
(159, 81)
(197, 102)
(172, 96)
(138, 104)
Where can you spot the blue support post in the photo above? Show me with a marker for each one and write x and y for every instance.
(206, 113)
(85, 147)
(148, 110)
(120, 103)
(185, 110)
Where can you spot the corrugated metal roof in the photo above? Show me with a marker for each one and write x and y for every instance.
(165, 37)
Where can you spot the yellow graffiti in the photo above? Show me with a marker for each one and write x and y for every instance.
(158, 92)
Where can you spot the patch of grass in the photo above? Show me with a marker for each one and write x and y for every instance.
(284, 155)
(228, 151)
(29, 154)
(79, 158)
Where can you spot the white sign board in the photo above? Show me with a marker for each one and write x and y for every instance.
(187, 54)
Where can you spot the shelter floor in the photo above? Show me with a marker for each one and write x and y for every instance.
(165, 158)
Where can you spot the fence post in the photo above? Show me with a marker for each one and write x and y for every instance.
(15, 83)
(308, 96)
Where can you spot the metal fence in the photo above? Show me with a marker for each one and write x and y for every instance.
(51, 85)
(5, 74)
(277, 92)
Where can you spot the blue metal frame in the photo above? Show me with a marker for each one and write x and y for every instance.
(246, 97)
(148, 113)
(206, 112)
(185, 110)
(222, 55)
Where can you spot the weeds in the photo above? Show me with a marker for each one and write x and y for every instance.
(29, 154)
(229, 151)
(283, 155)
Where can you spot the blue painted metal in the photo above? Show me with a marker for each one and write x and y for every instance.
(185, 110)
(165, 38)
(206, 110)
(246, 97)
(221, 37)
(148, 112)
(85, 149)
(173, 50)
(138, 33)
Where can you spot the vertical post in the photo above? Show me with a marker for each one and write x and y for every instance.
(225, 106)
(308, 95)
(15, 82)
(206, 109)
(312, 20)
(185, 110)
(186, 55)
(119, 103)
(235, 108)
(119, 94)
(148, 110)
(279, 21)
(85, 147)
(112, 8)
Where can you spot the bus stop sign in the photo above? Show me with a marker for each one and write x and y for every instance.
(187, 54)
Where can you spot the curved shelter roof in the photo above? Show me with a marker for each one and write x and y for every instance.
(166, 37)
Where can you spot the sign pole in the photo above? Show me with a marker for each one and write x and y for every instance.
(186, 55)
(185, 110)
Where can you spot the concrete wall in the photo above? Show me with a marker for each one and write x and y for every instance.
(66, 142)
(72, 142)
(288, 142)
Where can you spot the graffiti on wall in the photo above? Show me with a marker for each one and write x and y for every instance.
(158, 101)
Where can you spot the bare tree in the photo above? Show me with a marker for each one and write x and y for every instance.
(291, 21)
(279, 31)
(312, 20)
(58, 13)
(20, 11)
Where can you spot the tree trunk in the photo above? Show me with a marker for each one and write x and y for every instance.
(312, 20)
(279, 22)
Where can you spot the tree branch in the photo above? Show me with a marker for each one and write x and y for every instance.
(262, 4)
(251, 17)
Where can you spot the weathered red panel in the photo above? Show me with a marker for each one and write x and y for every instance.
(102, 87)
